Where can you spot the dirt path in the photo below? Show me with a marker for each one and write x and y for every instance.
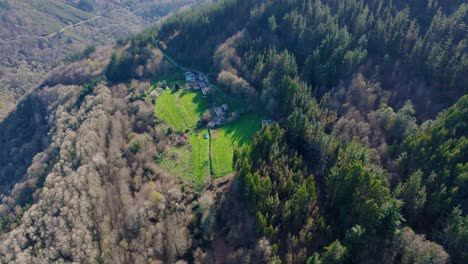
(72, 26)
(56, 32)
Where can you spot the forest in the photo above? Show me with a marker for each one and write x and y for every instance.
(37, 35)
(365, 161)
(363, 154)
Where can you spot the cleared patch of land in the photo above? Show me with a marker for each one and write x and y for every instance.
(228, 137)
(190, 162)
(181, 110)
(200, 152)
(178, 162)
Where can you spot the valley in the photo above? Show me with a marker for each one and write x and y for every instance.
(36, 36)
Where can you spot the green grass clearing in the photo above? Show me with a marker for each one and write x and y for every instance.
(226, 138)
(181, 110)
(200, 154)
(189, 162)
(178, 162)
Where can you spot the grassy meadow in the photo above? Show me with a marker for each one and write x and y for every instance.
(230, 136)
(181, 110)
(190, 162)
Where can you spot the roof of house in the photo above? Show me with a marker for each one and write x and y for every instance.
(205, 90)
(266, 122)
(218, 111)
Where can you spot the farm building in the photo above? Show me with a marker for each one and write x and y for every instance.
(266, 123)
(201, 77)
(190, 77)
(218, 111)
(206, 91)
(202, 84)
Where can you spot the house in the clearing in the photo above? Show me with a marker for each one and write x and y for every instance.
(206, 91)
(267, 122)
(202, 84)
(191, 80)
(201, 77)
(218, 111)
(189, 76)
(219, 117)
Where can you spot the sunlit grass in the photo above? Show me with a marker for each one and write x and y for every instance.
(190, 162)
(225, 139)
(180, 110)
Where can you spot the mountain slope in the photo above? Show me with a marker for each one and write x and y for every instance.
(360, 163)
(81, 199)
(348, 82)
(36, 35)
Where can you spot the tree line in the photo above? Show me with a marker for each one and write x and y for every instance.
(350, 168)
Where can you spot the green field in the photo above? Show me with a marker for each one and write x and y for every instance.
(180, 110)
(178, 162)
(225, 138)
(190, 162)
(200, 154)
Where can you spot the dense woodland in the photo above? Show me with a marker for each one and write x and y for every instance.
(366, 161)
(29, 49)
(353, 85)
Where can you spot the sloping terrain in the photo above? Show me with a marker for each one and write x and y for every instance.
(35, 35)
(364, 160)
(86, 188)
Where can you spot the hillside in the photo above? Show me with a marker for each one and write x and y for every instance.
(249, 131)
(36, 35)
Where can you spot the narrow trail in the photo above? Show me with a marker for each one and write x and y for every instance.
(72, 26)
(56, 32)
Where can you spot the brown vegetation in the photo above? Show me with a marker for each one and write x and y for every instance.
(36, 35)
(86, 187)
